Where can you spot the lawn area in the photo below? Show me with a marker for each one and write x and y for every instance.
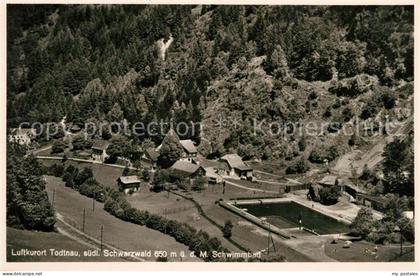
(362, 251)
(268, 167)
(176, 208)
(121, 234)
(245, 233)
(106, 175)
(31, 240)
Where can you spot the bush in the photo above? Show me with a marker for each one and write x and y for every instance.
(199, 183)
(320, 154)
(302, 144)
(327, 113)
(80, 143)
(329, 195)
(370, 110)
(58, 146)
(145, 175)
(347, 114)
(227, 229)
(334, 127)
(159, 180)
(388, 100)
(299, 167)
(56, 170)
(363, 222)
(312, 95)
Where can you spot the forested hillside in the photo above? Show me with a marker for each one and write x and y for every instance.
(273, 63)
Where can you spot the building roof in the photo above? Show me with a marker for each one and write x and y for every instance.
(211, 172)
(235, 161)
(328, 180)
(100, 144)
(376, 199)
(355, 188)
(152, 154)
(129, 179)
(206, 163)
(188, 146)
(183, 169)
(23, 131)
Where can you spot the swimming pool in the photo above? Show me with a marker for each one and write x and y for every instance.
(286, 215)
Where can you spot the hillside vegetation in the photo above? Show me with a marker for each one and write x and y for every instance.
(226, 67)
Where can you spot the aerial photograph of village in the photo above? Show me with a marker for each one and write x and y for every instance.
(210, 133)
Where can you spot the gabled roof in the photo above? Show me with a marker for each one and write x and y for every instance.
(206, 163)
(23, 131)
(100, 145)
(235, 161)
(129, 179)
(328, 180)
(183, 169)
(188, 146)
(152, 154)
(211, 172)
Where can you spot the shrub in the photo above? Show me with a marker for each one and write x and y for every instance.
(320, 154)
(347, 114)
(302, 144)
(363, 222)
(312, 95)
(199, 183)
(370, 110)
(58, 146)
(299, 167)
(329, 195)
(159, 180)
(145, 175)
(56, 170)
(227, 229)
(327, 113)
(334, 127)
(388, 100)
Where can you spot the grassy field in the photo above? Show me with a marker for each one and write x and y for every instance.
(123, 235)
(362, 251)
(23, 239)
(176, 208)
(105, 175)
(180, 209)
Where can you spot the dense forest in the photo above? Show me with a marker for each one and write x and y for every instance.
(98, 63)
(27, 200)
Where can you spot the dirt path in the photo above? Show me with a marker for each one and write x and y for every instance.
(355, 160)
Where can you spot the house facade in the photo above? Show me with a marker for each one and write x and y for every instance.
(330, 181)
(236, 167)
(182, 170)
(190, 151)
(22, 136)
(129, 184)
(150, 156)
(99, 150)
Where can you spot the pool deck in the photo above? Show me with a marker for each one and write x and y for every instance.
(230, 205)
(338, 216)
(343, 211)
